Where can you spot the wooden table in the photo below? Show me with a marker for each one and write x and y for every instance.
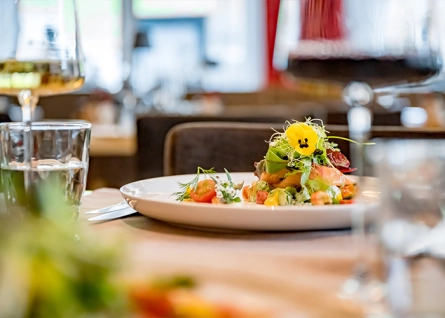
(307, 267)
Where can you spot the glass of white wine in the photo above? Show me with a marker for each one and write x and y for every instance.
(40, 55)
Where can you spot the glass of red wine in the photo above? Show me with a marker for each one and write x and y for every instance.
(360, 47)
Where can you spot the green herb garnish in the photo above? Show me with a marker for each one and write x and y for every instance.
(187, 187)
(226, 191)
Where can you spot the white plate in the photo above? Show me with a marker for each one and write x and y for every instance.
(153, 198)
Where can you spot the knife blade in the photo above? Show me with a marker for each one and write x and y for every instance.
(114, 207)
(113, 215)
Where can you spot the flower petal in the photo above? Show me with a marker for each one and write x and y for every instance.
(302, 137)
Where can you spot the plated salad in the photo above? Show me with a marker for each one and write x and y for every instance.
(302, 166)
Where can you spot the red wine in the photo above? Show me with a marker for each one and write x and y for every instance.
(376, 72)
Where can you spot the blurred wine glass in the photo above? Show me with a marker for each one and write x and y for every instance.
(40, 55)
(361, 46)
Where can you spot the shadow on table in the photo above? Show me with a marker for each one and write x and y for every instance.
(149, 224)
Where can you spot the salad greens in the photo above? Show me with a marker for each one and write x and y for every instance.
(305, 150)
(288, 148)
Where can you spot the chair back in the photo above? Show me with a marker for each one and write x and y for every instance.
(233, 146)
(152, 130)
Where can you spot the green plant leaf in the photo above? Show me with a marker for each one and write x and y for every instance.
(274, 160)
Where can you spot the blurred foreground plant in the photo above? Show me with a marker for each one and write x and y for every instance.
(55, 269)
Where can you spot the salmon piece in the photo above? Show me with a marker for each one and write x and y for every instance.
(277, 179)
(291, 181)
(273, 178)
(331, 176)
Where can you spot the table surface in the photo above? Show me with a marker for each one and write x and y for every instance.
(310, 266)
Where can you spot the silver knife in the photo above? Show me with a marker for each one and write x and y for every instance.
(113, 215)
(114, 207)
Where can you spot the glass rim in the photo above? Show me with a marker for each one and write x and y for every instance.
(42, 125)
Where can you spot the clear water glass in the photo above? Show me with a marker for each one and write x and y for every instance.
(40, 55)
(59, 169)
(411, 225)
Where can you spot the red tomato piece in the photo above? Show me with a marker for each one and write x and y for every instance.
(204, 191)
(261, 196)
(350, 201)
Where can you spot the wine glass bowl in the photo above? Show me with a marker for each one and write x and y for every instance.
(41, 52)
(380, 42)
(40, 77)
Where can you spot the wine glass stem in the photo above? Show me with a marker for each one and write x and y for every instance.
(358, 95)
(358, 215)
(28, 102)
(359, 121)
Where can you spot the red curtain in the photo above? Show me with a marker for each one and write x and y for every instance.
(322, 19)
(272, 8)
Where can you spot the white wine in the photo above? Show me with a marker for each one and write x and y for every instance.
(41, 77)
(56, 188)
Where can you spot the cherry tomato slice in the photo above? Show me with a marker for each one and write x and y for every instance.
(261, 196)
(204, 191)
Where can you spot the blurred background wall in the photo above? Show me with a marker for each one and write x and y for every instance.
(183, 59)
(199, 56)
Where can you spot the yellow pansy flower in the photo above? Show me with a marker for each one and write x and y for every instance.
(302, 137)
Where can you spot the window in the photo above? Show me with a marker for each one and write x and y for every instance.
(212, 45)
(100, 27)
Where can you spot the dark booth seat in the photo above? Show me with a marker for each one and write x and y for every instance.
(152, 130)
(236, 146)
